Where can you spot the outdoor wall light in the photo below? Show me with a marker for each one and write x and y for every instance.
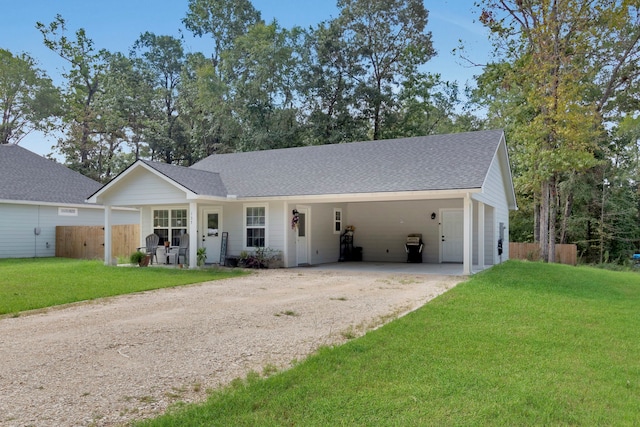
(433, 215)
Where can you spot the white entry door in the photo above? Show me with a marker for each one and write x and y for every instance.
(302, 243)
(452, 237)
(211, 233)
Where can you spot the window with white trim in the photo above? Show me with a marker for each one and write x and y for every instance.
(255, 226)
(170, 224)
(337, 220)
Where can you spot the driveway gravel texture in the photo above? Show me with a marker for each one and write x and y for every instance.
(110, 361)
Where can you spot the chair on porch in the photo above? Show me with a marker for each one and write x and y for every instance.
(151, 246)
(183, 249)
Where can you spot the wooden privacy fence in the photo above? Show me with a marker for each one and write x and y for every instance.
(87, 242)
(565, 254)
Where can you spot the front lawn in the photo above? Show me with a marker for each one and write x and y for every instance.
(520, 344)
(27, 284)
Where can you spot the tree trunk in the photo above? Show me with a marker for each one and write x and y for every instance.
(553, 214)
(601, 228)
(568, 205)
(536, 221)
(544, 222)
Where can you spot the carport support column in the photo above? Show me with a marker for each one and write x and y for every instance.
(193, 235)
(467, 256)
(107, 235)
(481, 235)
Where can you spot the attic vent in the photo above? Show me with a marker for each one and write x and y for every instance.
(67, 211)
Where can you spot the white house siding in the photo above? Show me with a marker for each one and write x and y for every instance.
(233, 220)
(325, 244)
(382, 228)
(490, 242)
(494, 195)
(145, 188)
(18, 223)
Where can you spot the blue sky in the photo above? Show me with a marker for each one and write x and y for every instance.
(116, 24)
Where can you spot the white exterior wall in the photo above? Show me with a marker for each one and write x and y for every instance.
(18, 223)
(382, 228)
(144, 188)
(490, 241)
(325, 244)
(494, 195)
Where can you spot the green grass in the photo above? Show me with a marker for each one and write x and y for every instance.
(27, 284)
(520, 344)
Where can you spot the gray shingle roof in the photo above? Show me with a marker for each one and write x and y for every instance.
(200, 182)
(26, 176)
(437, 162)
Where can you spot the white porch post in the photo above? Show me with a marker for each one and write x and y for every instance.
(193, 235)
(481, 235)
(107, 235)
(467, 256)
(287, 227)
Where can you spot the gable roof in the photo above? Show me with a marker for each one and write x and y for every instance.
(26, 176)
(435, 162)
(200, 182)
(429, 163)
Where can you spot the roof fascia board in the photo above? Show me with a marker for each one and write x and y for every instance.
(511, 189)
(70, 205)
(356, 197)
(502, 156)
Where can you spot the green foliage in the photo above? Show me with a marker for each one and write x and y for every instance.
(137, 257)
(223, 20)
(80, 115)
(28, 98)
(28, 284)
(520, 344)
(261, 258)
(202, 256)
(389, 41)
(557, 89)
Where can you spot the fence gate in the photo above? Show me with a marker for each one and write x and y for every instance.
(87, 242)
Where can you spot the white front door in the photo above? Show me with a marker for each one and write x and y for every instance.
(211, 233)
(452, 237)
(302, 243)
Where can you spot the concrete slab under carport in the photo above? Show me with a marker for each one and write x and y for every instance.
(445, 269)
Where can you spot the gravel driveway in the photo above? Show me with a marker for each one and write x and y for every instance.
(114, 360)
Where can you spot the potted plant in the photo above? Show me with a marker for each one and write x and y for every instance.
(202, 256)
(140, 258)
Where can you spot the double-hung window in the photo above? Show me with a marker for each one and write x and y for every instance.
(337, 220)
(255, 226)
(170, 224)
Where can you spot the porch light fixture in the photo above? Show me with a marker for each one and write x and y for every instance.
(433, 215)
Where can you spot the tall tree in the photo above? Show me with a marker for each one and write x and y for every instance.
(553, 47)
(261, 70)
(163, 58)
(83, 84)
(205, 109)
(391, 41)
(224, 20)
(28, 98)
(328, 81)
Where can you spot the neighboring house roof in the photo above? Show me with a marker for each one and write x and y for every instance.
(26, 176)
(436, 162)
